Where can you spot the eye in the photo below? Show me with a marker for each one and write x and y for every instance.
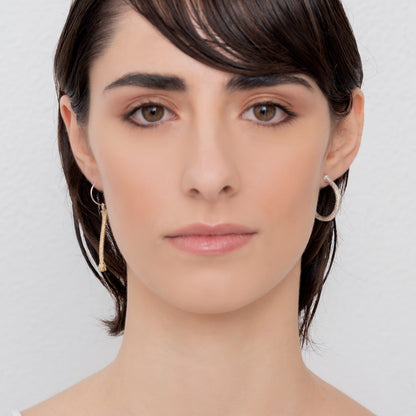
(267, 113)
(150, 114)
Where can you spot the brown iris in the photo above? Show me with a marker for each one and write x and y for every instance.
(152, 113)
(264, 112)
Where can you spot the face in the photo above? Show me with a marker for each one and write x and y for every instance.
(198, 147)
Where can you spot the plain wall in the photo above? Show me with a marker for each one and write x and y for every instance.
(50, 304)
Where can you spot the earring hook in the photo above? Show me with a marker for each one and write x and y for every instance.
(92, 196)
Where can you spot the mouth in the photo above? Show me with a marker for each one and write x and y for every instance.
(207, 240)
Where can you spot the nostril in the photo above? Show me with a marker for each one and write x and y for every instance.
(194, 191)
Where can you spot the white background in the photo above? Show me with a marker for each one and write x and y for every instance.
(50, 303)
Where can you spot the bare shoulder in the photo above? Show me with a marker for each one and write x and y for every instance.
(331, 401)
(77, 399)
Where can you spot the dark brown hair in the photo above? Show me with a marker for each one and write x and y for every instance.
(250, 37)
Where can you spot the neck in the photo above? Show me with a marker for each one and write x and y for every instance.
(242, 362)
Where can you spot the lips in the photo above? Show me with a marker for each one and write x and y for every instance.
(201, 229)
(204, 239)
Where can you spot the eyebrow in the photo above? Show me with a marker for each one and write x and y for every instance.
(235, 83)
(244, 82)
(153, 81)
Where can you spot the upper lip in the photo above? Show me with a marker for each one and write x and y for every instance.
(207, 229)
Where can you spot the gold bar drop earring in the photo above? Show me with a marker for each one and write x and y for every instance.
(104, 215)
(102, 266)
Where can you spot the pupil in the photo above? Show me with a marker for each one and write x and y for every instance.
(265, 112)
(153, 113)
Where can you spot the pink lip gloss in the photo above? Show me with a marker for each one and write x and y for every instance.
(210, 244)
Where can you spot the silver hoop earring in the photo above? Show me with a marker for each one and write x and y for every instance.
(337, 206)
(104, 215)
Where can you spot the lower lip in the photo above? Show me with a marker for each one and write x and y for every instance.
(210, 244)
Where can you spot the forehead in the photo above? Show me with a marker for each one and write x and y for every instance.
(136, 43)
(138, 47)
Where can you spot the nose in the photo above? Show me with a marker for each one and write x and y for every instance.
(210, 171)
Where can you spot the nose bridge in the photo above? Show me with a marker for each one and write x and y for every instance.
(210, 168)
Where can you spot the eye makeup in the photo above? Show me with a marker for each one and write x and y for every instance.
(154, 110)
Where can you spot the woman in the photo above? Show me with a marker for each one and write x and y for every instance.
(206, 146)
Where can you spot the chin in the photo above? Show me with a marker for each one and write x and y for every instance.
(213, 293)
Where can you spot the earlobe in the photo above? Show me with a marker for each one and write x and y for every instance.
(79, 143)
(346, 139)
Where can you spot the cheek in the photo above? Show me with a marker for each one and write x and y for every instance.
(289, 196)
(295, 188)
(136, 191)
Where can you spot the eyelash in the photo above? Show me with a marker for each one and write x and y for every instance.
(290, 115)
(128, 116)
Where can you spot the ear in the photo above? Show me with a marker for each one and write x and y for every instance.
(79, 143)
(345, 140)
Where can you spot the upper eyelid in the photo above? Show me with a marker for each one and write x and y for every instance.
(268, 99)
(268, 102)
(149, 103)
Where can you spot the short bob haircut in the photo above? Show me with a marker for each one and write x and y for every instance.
(248, 37)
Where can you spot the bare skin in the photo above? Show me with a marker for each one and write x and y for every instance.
(206, 335)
